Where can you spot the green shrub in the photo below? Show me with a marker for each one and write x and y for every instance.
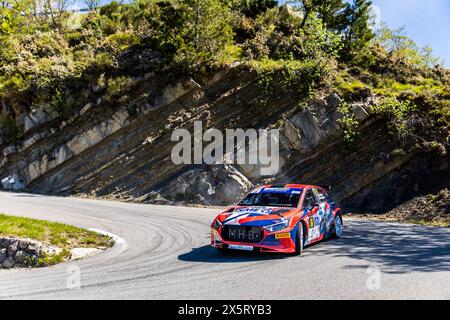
(119, 85)
(349, 124)
(9, 127)
(123, 40)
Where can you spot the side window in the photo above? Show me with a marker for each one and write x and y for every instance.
(310, 199)
(322, 197)
(248, 200)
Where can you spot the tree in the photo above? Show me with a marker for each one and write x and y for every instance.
(92, 5)
(206, 31)
(402, 48)
(358, 32)
(329, 11)
(56, 10)
(251, 8)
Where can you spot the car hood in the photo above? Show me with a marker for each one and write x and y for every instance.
(256, 216)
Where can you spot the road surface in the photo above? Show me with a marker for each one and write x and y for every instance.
(166, 256)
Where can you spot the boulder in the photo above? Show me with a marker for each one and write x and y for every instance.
(360, 112)
(33, 248)
(309, 128)
(292, 134)
(212, 185)
(26, 122)
(39, 116)
(12, 183)
(23, 244)
(3, 255)
(333, 101)
(8, 263)
(12, 249)
(20, 256)
(11, 149)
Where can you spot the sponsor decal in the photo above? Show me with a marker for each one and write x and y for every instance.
(314, 233)
(239, 247)
(276, 190)
(285, 235)
(311, 222)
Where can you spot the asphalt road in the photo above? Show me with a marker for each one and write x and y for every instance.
(166, 256)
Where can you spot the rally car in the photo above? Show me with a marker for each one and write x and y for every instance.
(278, 218)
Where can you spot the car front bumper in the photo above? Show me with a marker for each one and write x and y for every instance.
(281, 242)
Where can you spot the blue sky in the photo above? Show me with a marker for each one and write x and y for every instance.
(427, 21)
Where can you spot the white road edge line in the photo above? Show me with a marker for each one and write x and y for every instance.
(116, 239)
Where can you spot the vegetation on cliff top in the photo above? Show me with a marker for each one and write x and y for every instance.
(60, 61)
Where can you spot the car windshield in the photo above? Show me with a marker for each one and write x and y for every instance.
(265, 197)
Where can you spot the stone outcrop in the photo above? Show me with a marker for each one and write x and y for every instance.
(123, 151)
(24, 253)
(12, 182)
(19, 252)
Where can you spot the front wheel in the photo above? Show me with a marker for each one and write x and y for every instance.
(299, 240)
(336, 231)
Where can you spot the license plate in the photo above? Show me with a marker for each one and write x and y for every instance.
(243, 234)
(282, 235)
(238, 247)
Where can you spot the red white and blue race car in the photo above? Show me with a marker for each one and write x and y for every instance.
(278, 218)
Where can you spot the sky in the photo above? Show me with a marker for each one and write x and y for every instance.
(426, 21)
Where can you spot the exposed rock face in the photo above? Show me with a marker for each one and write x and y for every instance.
(33, 119)
(123, 151)
(212, 185)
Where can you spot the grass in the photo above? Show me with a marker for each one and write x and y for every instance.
(393, 88)
(52, 233)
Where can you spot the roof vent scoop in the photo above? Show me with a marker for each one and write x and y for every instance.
(278, 186)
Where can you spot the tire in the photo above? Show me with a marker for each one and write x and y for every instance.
(336, 230)
(299, 240)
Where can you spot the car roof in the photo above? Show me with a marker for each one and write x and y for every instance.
(290, 185)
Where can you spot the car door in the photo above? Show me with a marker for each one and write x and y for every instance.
(311, 206)
(324, 213)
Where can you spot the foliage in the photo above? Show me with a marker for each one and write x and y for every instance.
(401, 48)
(349, 124)
(252, 8)
(9, 127)
(60, 61)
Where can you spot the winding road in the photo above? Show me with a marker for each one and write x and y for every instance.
(165, 255)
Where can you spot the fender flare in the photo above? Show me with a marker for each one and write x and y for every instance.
(336, 212)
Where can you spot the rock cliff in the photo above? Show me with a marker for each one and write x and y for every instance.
(122, 150)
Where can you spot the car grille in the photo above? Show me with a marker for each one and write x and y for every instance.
(242, 234)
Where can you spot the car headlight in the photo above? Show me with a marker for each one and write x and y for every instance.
(277, 226)
(217, 224)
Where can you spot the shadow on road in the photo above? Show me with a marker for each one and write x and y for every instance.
(210, 254)
(395, 248)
